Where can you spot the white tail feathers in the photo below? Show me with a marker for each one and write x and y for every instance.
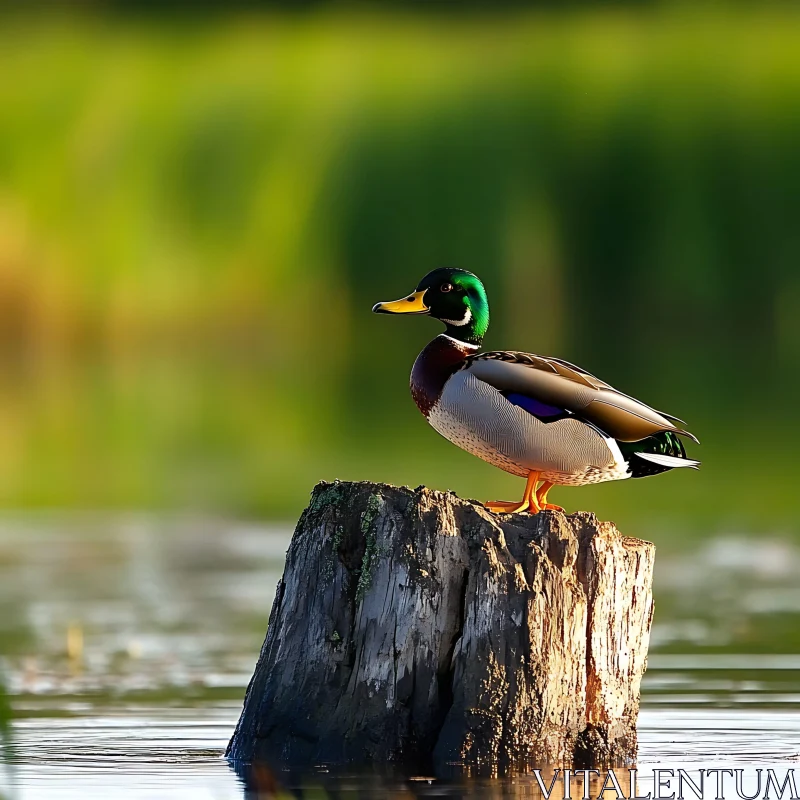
(669, 461)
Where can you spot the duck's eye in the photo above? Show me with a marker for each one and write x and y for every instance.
(447, 287)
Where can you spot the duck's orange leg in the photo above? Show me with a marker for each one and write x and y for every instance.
(528, 503)
(541, 497)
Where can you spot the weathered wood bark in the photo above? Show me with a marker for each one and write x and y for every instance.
(415, 627)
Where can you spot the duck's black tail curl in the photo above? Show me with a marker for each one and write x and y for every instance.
(658, 453)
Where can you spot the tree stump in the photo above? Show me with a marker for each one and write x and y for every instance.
(418, 628)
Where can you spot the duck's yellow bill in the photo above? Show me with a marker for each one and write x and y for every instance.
(412, 304)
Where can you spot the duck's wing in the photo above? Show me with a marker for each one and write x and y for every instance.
(605, 385)
(560, 384)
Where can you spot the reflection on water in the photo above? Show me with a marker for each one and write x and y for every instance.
(149, 752)
(127, 644)
(138, 753)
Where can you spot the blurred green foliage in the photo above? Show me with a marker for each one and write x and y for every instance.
(195, 220)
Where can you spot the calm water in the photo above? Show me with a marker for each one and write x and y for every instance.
(127, 643)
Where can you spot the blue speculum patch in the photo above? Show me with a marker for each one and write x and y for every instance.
(541, 410)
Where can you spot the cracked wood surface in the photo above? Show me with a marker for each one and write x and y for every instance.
(415, 627)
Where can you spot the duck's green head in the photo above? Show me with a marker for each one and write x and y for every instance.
(454, 296)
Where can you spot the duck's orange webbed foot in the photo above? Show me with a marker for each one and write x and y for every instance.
(528, 503)
(541, 497)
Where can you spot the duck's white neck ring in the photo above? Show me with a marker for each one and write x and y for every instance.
(459, 342)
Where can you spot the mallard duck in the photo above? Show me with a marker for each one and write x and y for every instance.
(537, 417)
